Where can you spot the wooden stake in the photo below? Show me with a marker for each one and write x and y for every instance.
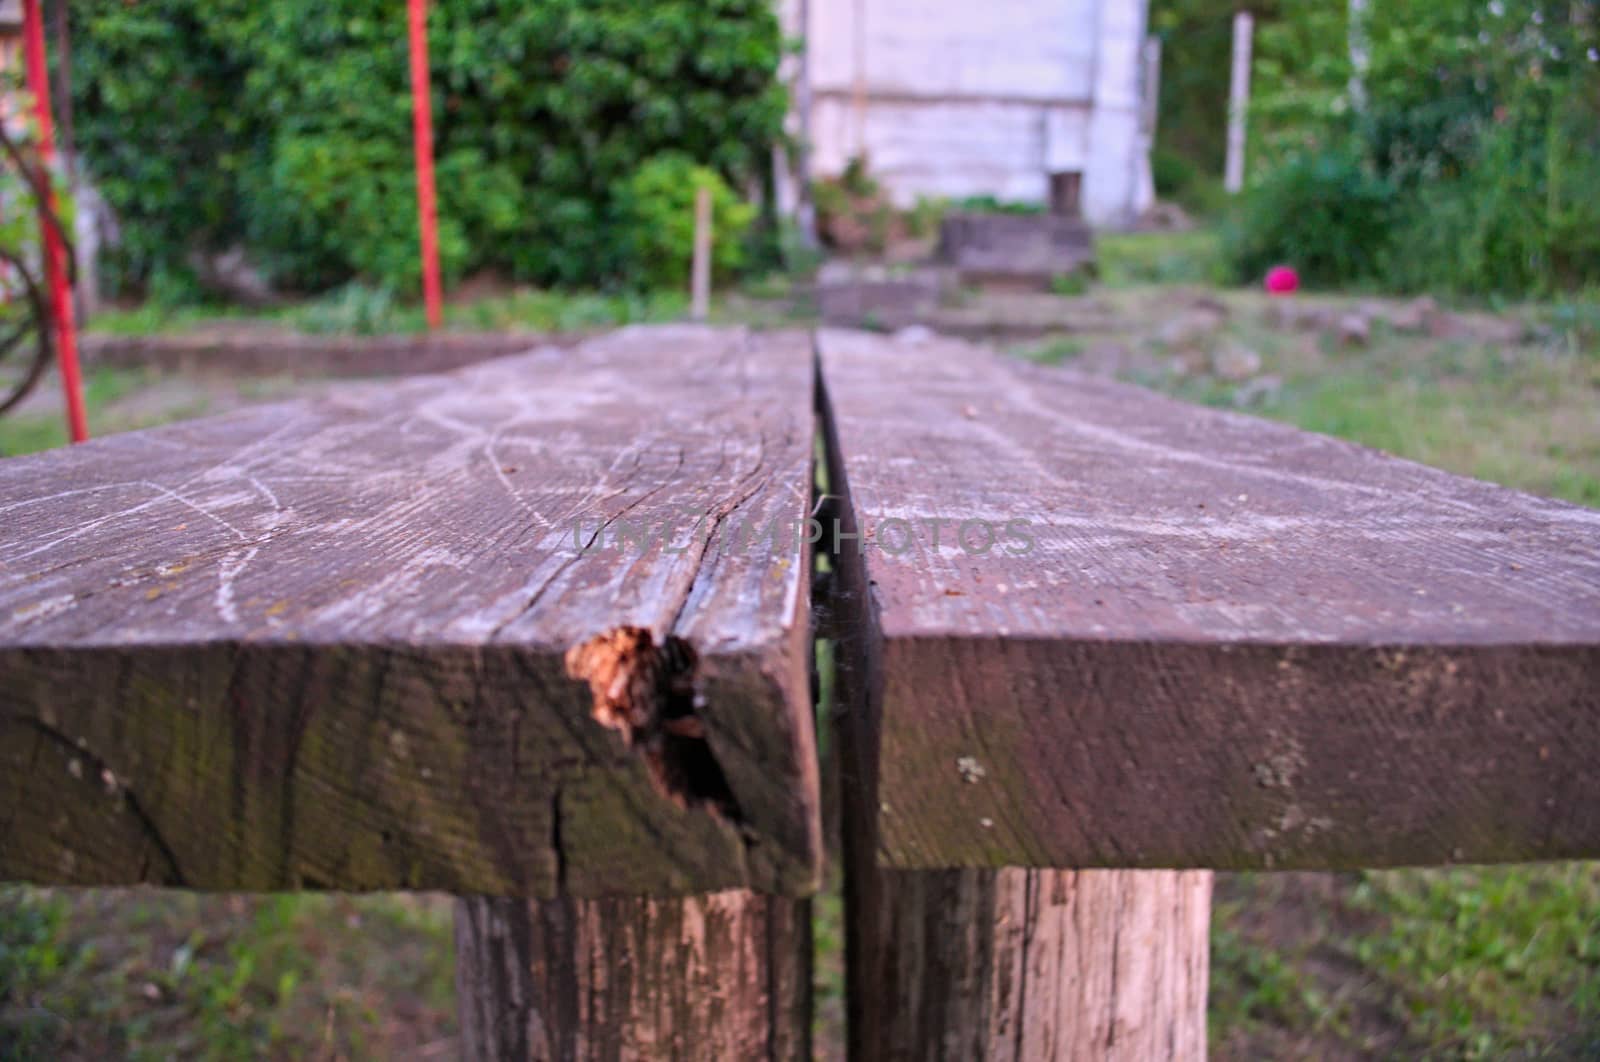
(1238, 100)
(700, 267)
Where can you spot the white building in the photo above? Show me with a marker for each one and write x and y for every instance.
(1023, 100)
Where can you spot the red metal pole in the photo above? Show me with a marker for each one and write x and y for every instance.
(55, 252)
(422, 116)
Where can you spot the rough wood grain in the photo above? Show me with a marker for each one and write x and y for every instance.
(726, 976)
(1231, 644)
(1025, 965)
(323, 644)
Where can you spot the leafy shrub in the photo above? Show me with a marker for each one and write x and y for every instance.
(1476, 136)
(854, 213)
(1324, 213)
(656, 218)
(1517, 220)
(155, 100)
(988, 204)
(1178, 180)
(1138, 258)
(925, 217)
(286, 126)
(353, 309)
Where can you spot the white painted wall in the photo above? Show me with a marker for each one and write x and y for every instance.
(959, 98)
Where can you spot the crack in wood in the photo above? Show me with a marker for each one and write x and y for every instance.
(99, 769)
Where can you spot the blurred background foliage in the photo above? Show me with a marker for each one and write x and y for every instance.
(1464, 163)
(1464, 160)
(284, 129)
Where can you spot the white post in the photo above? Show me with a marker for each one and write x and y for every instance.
(858, 89)
(700, 267)
(1238, 100)
(1149, 116)
(87, 210)
(1360, 56)
(1151, 113)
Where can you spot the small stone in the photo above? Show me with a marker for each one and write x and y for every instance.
(1477, 328)
(1413, 316)
(971, 770)
(1106, 357)
(1294, 315)
(1187, 362)
(1355, 330)
(1191, 328)
(1259, 391)
(1235, 361)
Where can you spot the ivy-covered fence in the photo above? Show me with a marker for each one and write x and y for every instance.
(283, 128)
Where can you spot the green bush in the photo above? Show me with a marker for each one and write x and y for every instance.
(286, 127)
(988, 204)
(1467, 164)
(1325, 214)
(656, 215)
(854, 213)
(1180, 181)
(155, 102)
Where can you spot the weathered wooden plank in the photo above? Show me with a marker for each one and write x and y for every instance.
(991, 963)
(327, 644)
(1211, 641)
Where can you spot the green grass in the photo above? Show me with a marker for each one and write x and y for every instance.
(1056, 351)
(361, 310)
(152, 319)
(1482, 962)
(26, 432)
(138, 974)
(1252, 985)
(1526, 417)
(1137, 259)
(1477, 962)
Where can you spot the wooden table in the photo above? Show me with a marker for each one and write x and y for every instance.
(540, 633)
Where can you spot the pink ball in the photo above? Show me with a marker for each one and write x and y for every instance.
(1282, 280)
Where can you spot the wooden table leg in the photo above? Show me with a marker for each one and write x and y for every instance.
(1040, 964)
(721, 976)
